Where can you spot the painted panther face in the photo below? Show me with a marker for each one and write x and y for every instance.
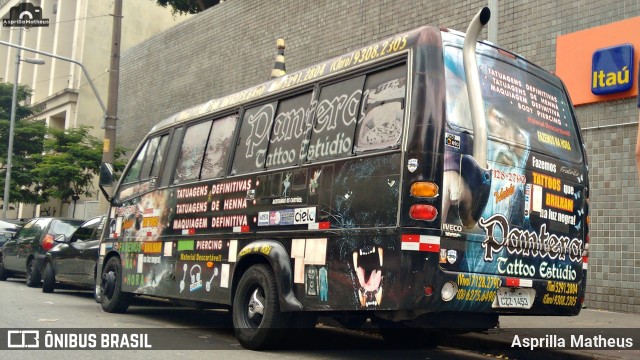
(368, 262)
(365, 196)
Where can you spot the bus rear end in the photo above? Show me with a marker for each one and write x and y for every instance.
(512, 198)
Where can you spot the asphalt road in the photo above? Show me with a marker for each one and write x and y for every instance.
(190, 333)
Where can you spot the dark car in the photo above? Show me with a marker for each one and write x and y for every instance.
(7, 229)
(73, 259)
(24, 253)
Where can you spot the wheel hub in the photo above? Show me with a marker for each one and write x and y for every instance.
(108, 283)
(256, 305)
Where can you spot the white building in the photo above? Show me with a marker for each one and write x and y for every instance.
(80, 30)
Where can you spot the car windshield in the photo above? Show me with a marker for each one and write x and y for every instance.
(66, 227)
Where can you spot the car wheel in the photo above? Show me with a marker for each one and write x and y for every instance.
(49, 279)
(4, 274)
(114, 300)
(96, 295)
(33, 276)
(257, 320)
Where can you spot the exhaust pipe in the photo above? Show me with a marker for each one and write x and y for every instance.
(473, 86)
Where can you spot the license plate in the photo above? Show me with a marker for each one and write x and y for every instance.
(514, 298)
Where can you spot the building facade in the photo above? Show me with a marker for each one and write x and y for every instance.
(79, 30)
(232, 46)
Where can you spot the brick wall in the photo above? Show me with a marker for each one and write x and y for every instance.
(232, 46)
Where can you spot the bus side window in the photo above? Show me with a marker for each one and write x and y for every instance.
(192, 152)
(134, 171)
(382, 111)
(251, 150)
(218, 146)
(157, 162)
(290, 127)
(174, 147)
(145, 167)
(335, 120)
(153, 157)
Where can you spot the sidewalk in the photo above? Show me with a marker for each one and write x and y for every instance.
(595, 319)
(589, 323)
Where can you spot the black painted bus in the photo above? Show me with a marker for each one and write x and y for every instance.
(429, 180)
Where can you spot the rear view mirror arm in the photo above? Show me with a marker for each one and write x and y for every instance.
(106, 194)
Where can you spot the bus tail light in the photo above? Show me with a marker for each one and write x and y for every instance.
(428, 290)
(423, 212)
(424, 189)
(48, 242)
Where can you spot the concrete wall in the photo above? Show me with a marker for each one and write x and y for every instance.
(232, 46)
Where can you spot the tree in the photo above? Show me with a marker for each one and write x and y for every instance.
(27, 145)
(70, 162)
(187, 6)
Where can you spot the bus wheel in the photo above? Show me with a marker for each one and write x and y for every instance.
(114, 300)
(257, 320)
(32, 275)
(49, 280)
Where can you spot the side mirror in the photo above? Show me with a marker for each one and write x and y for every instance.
(106, 174)
(106, 179)
(60, 239)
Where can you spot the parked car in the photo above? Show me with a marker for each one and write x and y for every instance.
(24, 253)
(73, 259)
(7, 229)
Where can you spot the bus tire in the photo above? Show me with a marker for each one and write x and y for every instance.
(257, 320)
(32, 274)
(49, 278)
(114, 300)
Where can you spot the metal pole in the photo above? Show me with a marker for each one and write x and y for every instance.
(84, 70)
(109, 142)
(492, 28)
(12, 124)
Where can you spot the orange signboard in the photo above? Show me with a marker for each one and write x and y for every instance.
(574, 54)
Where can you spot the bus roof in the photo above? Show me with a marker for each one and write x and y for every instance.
(365, 55)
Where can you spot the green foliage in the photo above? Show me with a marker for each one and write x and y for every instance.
(60, 165)
(187, 6)
(27, 144)
(70, 162)
(6, 94)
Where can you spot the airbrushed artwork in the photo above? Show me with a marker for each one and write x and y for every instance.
(369, 262)
(365, 113)
(362, 188)
(519, 213)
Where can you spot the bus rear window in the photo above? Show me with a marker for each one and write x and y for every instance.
(520, 108)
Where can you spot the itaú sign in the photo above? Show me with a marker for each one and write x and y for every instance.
(612, 69)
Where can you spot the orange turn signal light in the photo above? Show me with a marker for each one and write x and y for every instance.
(424, 189)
